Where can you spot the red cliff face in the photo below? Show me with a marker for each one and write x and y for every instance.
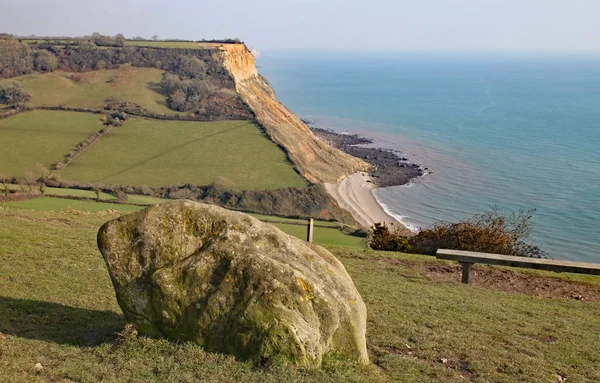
(316, 160)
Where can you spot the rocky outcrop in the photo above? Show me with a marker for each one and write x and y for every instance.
(316, 160)
(193, 272)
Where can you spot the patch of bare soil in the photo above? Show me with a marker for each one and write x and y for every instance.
(513, 281)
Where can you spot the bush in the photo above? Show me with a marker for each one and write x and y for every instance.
(382, 238)
(491, 232)
(15, 58)
(190, 67)
(13, 94)
(185, 95)
(44, 61)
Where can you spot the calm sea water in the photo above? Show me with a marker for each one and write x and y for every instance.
(496, 130)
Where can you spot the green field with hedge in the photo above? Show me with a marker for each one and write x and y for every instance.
(162, 153)
(41, 137)
(92, 89)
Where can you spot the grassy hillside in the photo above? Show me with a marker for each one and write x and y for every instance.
(41, 137)
(58, 309)
(159, 153)
(325, 233)
(139, 85)
(60, 204)
(91, 89)
(77, 193)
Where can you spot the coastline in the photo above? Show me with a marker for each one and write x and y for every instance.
(355, 193)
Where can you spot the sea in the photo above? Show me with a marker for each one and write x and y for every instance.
(493, 129)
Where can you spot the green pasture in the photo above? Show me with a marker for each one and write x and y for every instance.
(61, 192)
(144, 199)
(138, 85)
(302, 221)
(60, 204)
(171, 44)
(78, 193)
(59, 309)
(323, 236)
(41, 137)
(161, 153)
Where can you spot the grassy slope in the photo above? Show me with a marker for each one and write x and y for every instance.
(322, 236)
(144, 199)
(137, 85)
(162, 153)
(59, 204)
(78, 193)
(293, 220)
(42, 137)
(59, 310)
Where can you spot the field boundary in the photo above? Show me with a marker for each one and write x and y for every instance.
(81, 147)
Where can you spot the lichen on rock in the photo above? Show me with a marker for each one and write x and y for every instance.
(187, 271)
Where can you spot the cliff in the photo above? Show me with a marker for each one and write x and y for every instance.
(316, 160)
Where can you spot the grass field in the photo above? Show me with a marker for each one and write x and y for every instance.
(144, 199)
(41, 137)
(139, 85)
(59, 309)
(161, 153)
(60, 204)
(322, 236)
(293, 220)
(78, 193)
(171, 44)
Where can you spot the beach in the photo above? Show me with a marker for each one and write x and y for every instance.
(355, 194)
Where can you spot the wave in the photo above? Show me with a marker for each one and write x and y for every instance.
(397, 217)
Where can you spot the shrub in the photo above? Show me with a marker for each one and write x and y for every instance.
(13, 94)
(491, 232)
(122, 197)
(15, 58)
(382, 238)
(44, 61)
(182, 194)
(190, 66)
(185, 95)
(119, 40)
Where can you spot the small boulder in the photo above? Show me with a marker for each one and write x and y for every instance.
(187, 271)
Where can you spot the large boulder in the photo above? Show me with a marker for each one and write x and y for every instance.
(187, 271)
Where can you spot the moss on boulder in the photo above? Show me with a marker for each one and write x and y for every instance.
(187, 271)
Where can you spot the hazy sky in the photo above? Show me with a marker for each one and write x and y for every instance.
(488, 25)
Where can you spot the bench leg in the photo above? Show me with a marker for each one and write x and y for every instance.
(466, 272)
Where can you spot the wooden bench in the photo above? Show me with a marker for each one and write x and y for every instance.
(468, 258)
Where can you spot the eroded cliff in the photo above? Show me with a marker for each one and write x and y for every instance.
(316, 160)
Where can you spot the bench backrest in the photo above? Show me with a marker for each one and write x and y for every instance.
(509, 260)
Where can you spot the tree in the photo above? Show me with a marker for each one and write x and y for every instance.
(119, 40)
(15, 58)
(44, 61)
(13, 94)
(4, 180)
(177, 101)
(191, 66)
(155, 37)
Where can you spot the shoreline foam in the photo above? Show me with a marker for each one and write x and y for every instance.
(355, 194)
(399, 218)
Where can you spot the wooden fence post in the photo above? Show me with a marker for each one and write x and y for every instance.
(309, 232)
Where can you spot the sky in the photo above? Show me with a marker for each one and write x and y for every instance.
(392, 25)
